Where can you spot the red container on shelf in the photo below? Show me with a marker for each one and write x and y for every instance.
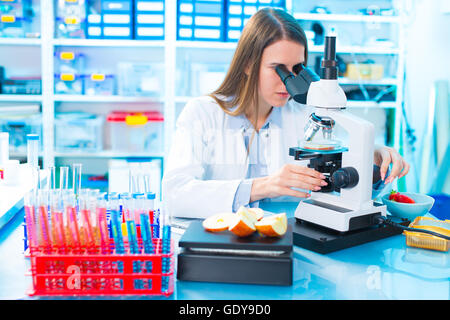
(136, 131)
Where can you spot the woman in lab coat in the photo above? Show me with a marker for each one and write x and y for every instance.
(231, 148)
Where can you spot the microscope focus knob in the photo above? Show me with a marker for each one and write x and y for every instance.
(345, 178)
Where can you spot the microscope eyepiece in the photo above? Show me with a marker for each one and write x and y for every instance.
(329, 69)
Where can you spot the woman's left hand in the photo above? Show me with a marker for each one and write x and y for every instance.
(384, 156)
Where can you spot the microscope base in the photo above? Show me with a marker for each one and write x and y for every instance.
(323, 240)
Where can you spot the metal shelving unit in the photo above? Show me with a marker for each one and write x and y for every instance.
(171, 49)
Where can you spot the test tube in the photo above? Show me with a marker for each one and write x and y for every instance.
(63, 178)
(30, 219)
(76, 168)
(146, 233)
(32, 159)
(166, 243)
(71, 220)
(113, 204)
(58, 231)
(51, 178)
(150, 208)
(44, 228)
(102, 223)
(32, 150)
(86, 222)
(131, 207)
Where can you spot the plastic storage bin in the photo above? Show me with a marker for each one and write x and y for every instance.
(149, 20)
(99, 84)
(78, 131)
(69, 62)
(239, 11)
(205, 78)
(136, 131)
(140, 79)
(201, 20)
(94, 28)
(18, 126)
(70, 19)
(117, 19)
(14, 27)
(69, 83)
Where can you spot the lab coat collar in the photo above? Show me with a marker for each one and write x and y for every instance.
(241, 122)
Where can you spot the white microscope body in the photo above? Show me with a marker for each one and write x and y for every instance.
(347, 205)
(341, 211)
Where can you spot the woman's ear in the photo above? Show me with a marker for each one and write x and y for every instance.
(247, 70)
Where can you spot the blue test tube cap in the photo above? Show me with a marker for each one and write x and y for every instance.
(137, 195)
(111, 196)
(124, 195)
(32, 137)
(150, 195)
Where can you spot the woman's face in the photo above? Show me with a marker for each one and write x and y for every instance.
(271, 89)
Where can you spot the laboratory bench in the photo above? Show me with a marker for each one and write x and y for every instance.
(382, 269)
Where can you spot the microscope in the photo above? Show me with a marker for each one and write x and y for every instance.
(345, 204)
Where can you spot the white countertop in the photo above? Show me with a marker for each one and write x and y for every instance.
(11, 197)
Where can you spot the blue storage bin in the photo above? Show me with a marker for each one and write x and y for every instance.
(18, 126)
(239, 11)
(149, 19)
(117, 19)
(12, 26)
(117, 6)
(99, 84)
(94, 28)
(69, 83)
(114, 31)
(78, 131)
(71, 19)
(201, 20)
(67, 61)
(17, 8)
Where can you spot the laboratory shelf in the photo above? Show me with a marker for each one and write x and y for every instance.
(311, 48)
(371, 104)
(109, 154)
(206, 45)
(108, 43)
(346, 17)
(20, 42)
(20, 97)
(109, 99)
(357, 50)
(21, 155)
(380, 82)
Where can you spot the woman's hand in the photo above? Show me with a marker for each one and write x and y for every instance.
(289, 176)
(383, 157)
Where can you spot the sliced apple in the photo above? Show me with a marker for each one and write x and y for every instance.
(242, 226)
(258, 212)
(218, 222)
(272, 226)
(247, 214)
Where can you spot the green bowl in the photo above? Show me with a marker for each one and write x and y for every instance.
(409, 210)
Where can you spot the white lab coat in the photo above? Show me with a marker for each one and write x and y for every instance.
(207, 160)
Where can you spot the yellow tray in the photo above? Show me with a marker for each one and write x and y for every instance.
(427, 241)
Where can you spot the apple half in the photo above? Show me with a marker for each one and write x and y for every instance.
(218, 222)
(272, 226)
(242, 225)
(258, 213)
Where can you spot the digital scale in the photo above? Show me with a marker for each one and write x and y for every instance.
(223, 257)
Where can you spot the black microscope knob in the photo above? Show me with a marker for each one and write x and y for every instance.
(345, 178)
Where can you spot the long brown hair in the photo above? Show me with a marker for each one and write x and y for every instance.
(265, 27)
